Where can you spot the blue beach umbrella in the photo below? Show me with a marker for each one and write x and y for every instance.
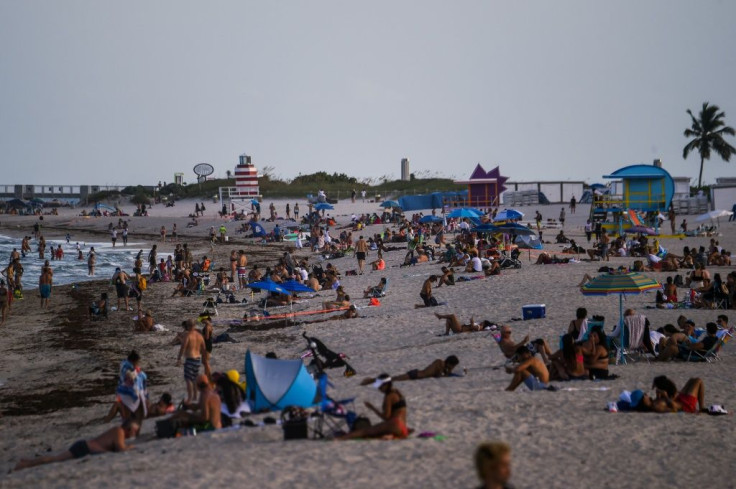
(508, 215)
(268, 286)
(390, 204)
(323, 207)
(294, 286)
(426, 219)
(463, 213)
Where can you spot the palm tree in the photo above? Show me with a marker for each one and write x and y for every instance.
(229, 174)
(707, 132)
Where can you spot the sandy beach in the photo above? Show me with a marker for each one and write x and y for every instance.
(58, 375)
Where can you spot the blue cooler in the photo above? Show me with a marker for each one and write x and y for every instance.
(533, 311)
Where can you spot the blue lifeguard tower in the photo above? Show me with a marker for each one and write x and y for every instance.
(646, 189)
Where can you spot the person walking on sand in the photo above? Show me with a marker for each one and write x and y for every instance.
(562, 217)
(91, 261)
(672, 216)
(174, 237)
(125, 236)
(44, 284)
(538, 219)
(288, 211)
(112, 440)
(193, 350)
(573, 204)
(361, 251)
(114, 236)
(152, 259)
(163, 234)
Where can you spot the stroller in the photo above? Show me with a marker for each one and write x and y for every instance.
(323, 358)
(510, 261)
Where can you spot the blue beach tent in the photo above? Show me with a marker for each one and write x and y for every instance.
(274, 384)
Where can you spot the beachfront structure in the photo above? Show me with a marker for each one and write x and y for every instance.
(246, 182)
(484, 188)
(723, 194)
(405, 173)
(72, 194)
(645, 188)
(542, 192)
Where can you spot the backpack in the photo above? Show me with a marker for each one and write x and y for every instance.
(142, 284)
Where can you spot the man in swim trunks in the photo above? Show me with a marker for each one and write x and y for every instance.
(44, 285)
(361, 251)
(438, 368)
(193, 349)
(453, 324)
(241, 265)
(426, 293)
(531, 371)
(113, 440)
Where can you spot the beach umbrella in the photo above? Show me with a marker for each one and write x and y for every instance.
(268, 286)
(508, 215)
(620, 284)
(294, 286)
(463, 213)
(254, 202)
(390, 204)
(16, 203)
(517, 229)
(642, 230)
(426, 219)
(709, 216)
(322, 206)
(487, 228)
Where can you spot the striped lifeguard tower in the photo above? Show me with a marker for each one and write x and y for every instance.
(246, 184)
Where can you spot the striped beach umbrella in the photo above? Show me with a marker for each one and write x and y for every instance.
(620, 284)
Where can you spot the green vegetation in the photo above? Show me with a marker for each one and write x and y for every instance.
(337, 185)
(707, 131)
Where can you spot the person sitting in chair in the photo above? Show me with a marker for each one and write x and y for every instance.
(393, 414)
(376, 291)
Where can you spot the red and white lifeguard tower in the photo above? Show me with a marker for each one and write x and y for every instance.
(246, 178)
(246, 183)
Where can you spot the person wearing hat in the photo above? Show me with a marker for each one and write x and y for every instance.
(392, 414)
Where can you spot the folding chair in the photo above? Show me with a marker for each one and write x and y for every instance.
(711, 355)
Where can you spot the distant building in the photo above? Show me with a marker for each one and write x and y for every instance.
(405, 172)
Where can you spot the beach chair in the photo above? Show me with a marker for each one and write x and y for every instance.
(334, 418)
(711, 355)
(375, 293)
(635, 334)
(209, 305)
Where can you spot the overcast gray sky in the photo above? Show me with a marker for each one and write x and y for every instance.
(104, 92)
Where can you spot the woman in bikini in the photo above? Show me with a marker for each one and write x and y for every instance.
(568, 363)
(393, 414)
(595, 353)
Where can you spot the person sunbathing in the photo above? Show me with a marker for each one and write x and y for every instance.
(509, 347)
(447, 277)
(112, 440)
(568, 363)
(159, 408)
(436, 369)
(205, 416)
(453, 324)
(531, 371)
(144, 323)
(350, 313)
(691, 399)
(376, 291)
(596, 354)
(392, 414)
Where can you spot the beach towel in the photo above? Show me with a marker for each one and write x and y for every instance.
(636, 325)
(131, 388)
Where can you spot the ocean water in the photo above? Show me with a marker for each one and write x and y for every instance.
(70, 269)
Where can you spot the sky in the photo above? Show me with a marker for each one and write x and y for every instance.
(119, 93)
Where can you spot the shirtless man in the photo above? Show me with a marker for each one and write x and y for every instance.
(426, 293)
(241, 265)
(361, 251)
(436, 369)
(193, 349)
(531, 371)
(206, 415)
(453, 324)
(113, 440)
(447, 278)
(144, 323)
(44, 285)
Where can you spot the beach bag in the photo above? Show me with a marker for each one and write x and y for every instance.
(166, 428)
(142, 284)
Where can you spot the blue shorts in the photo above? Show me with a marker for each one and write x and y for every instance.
(45, 291)
(534, 384)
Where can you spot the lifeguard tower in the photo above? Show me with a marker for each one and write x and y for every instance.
(484, 188)
(643, 192)
(246, 184)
